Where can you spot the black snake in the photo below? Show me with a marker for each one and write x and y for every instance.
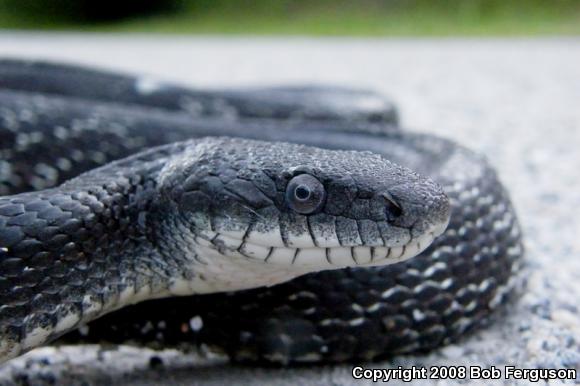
(267, 184)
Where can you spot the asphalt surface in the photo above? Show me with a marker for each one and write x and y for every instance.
(517, 101)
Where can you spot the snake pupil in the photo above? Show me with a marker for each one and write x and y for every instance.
(302, 192)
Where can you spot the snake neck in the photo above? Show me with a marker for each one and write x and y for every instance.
(84, 250)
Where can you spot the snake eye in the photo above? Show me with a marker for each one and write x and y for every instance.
(305, 194)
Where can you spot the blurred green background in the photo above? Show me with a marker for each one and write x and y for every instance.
(303, 17)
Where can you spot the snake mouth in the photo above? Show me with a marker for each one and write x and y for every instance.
(313, 258)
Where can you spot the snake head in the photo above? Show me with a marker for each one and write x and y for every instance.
(268, 212)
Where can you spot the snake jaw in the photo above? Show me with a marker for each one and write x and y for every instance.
(315, 258)
(322, 245)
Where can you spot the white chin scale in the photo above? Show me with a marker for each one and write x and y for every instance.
(228, 263)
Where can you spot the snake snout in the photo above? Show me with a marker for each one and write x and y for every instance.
(421, 207)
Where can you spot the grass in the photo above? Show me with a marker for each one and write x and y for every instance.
(321, 17)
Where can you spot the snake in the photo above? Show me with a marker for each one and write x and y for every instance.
(284, 224)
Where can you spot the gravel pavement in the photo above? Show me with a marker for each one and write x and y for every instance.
(517, 101)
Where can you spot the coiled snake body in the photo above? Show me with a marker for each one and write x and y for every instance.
(266, 185)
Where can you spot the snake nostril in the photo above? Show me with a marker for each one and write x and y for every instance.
(392, 208)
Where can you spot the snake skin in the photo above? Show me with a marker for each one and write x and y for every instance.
(281, 103)
(51, 131)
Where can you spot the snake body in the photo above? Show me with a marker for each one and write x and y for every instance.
(234, 190)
